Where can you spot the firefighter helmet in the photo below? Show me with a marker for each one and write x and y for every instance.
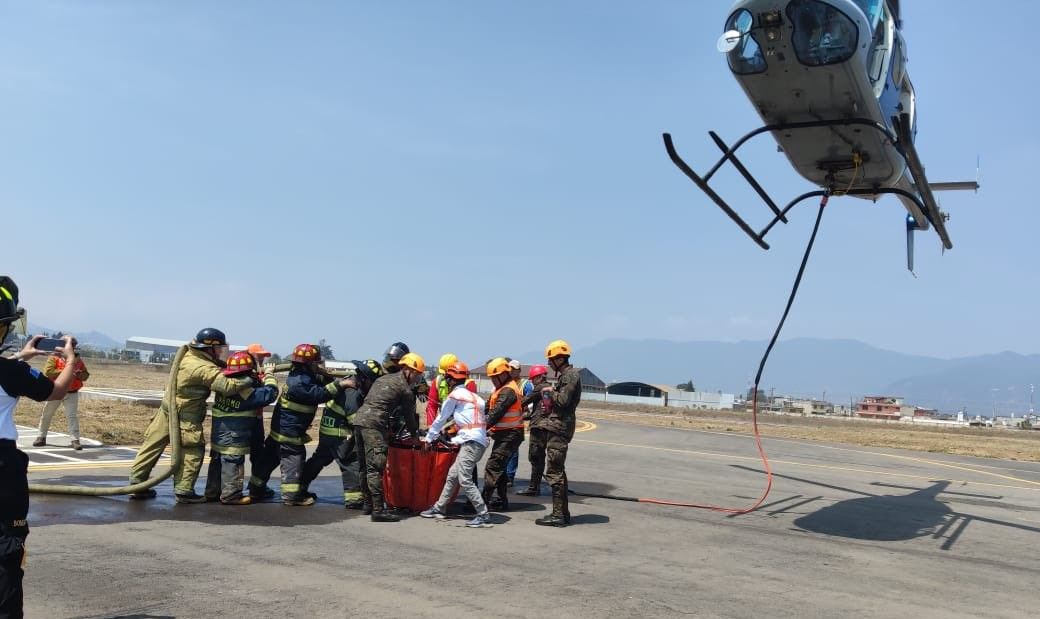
(457, 370)
(413, 361)
(557, 348)
(306, 353)
(497, 366)
(369, 369)
(9, 310)
(208, 338)
(239, 362)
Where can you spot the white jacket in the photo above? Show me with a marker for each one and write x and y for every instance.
(467, 409)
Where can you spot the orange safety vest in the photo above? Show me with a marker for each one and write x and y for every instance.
(514, 416)
(77, 384)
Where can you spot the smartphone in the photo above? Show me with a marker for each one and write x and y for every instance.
(48, 344)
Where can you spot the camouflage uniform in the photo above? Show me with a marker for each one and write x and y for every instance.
(507, 443)
(389, 399)
(551, 433)
(197, 375)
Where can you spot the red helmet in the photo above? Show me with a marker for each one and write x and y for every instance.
(306, 353)
(536, 371)
(240, 362)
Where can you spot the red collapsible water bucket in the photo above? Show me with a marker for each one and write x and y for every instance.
(413, 479)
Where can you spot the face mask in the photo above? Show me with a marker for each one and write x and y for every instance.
(222, 352)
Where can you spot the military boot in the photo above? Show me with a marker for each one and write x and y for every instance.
(384, 516)
(556, 518)
(366, 509)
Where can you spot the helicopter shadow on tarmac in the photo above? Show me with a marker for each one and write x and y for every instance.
(888, 517)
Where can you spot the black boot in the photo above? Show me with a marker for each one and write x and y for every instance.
(529, 491)
(385, 516)
(556, 518)
(366, 509)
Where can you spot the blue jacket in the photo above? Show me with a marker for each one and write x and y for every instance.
(234, 416)
(293, 414)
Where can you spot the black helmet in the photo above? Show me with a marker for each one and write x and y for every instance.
(209, 337)
(9, 310)
(369, 369)
(396, 351)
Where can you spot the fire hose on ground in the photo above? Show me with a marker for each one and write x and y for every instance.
(170, 401)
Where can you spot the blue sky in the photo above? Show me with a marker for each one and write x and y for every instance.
(480, 177)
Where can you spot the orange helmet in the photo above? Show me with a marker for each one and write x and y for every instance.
(258, 350)
(306, 353)
(557, 348)
(413, 361)
(497, 366)
(458, 370)
(239, 362)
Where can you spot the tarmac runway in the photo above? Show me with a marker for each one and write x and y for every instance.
(846, 532)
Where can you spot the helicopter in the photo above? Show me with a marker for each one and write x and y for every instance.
(829, 80)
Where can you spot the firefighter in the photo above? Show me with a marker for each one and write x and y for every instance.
(466, 409)
(532, 403)
(18, 379)
(306, 387)
(552, 431)
(391, 396)
(505, 424)
(336, 434)
(198, 374)
(256, 437)
(234, 419)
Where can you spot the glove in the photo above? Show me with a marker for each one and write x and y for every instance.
(270, 381)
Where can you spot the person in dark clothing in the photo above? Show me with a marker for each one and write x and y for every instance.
(257, 436)
(336, 434)
(18, 379)
(392, 396)
(553, 430)
(505, 423)
(234, 417)
(533, 409)
(306, 387)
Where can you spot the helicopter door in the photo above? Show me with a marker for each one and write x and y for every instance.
(880, 51)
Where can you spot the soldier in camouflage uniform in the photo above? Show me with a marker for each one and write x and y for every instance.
(552, 431)
(336, 434)
(391, 396)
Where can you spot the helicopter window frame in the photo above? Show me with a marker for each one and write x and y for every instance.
(740, 62)
(834, 17)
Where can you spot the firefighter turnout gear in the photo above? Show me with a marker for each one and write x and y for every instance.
(306, 353)
(506, 425)
(336, 434)
(390, 397)
(234, 421)
(285, 444)
(197, 375)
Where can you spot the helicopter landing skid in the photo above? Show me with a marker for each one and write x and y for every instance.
(925, 202)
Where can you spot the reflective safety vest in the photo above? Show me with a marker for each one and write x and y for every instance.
(513, 417)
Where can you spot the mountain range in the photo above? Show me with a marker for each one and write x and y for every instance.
(93, 339)
(832, 369)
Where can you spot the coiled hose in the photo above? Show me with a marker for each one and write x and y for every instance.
(170, 401)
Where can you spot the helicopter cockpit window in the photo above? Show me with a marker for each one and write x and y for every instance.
(746, 58)
(822, 34)
(873, 9)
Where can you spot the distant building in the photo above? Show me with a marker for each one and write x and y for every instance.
(880, 407)
(155, 349)
(589, 381)
(811, 407)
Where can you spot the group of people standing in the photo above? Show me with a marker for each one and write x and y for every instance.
(362, 412)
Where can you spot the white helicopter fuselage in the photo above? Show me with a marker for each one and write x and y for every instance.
(802, 61)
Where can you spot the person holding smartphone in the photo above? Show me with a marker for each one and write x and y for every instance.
(18, 379)
(52, 369)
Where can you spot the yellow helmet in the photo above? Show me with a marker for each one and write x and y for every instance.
(447, 359)
(557, 348)
(413, 361)
(497, 366)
